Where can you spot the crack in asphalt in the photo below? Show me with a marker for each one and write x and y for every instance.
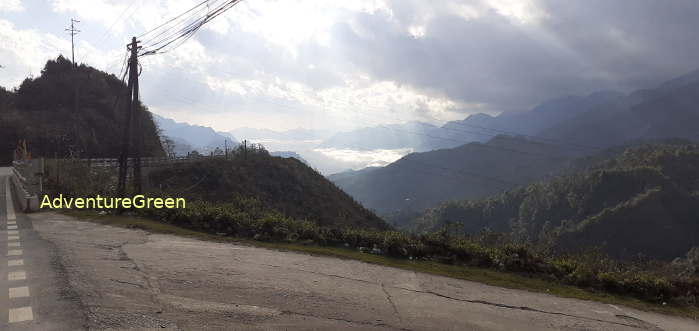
(390, 300)
(152, 282)
(289, 312)
(125, 282)
(646, 325)
(319, 273)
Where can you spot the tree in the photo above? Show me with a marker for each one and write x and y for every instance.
(168, 146)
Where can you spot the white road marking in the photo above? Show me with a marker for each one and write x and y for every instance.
(21, 314)
(8, 201)
(14, 263)
(16, 275)
(18, 292)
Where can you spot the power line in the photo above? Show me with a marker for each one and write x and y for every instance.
(111, 26)
(174, 26)
(170, 20)
(180, 36)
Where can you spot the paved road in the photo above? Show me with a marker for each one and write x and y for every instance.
(34, 292)
(81, 275)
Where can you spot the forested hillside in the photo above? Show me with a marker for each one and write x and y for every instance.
(43, 111)
(642, 201)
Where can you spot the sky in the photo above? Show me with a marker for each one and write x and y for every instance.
(341, 65)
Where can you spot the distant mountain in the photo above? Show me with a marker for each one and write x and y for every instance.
(196, 137)
(349, 175)
(267, 134)
(418, 136)
(480, 127)
(471, 171)
(644, 200)
(289, 154)
(571, 126)
(669, 111)
(181, 147)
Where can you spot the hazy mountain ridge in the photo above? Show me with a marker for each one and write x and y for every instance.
(188, 137)
(300, 134)
(420, 136)
(667, 111)
(598, 121)
(289, 154)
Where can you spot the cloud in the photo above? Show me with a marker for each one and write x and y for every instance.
(11, 6)
(24, 52)
(284, 64)
(509, 56)
(361, 159)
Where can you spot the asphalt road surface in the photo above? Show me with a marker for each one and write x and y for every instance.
(78, 275)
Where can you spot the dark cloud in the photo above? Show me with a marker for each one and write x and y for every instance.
(578, 48)
(636, 42)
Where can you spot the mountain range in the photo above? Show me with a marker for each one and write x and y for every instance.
(421, 137)
(558, 131)
(187, 137)
(299, 134)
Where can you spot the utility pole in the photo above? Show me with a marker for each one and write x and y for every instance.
(130, 115)
(138, 119)
(73, 31)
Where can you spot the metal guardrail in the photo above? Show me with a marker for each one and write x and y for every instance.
(145, 161)
(27, 182)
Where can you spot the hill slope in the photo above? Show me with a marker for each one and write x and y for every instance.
(643, 201)
(286, 185)
(42, 111)
(475, 170)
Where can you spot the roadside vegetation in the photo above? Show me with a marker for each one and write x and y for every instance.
(494, 258)
(487, 275)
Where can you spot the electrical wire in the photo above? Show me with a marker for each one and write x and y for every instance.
(181, 35)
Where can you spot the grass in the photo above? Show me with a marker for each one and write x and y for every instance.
(481, 275)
